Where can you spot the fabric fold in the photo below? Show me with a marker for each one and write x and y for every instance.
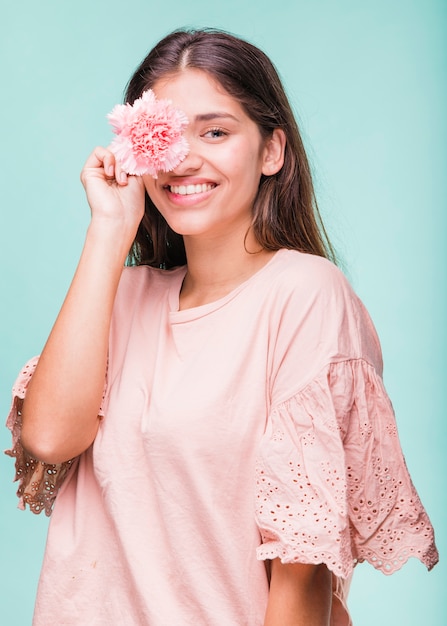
(332, 483)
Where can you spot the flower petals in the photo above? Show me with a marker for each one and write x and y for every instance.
(149, 135)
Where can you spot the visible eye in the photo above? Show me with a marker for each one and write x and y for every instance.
(214, 133)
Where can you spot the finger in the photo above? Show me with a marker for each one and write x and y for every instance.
(120, 175)
(109, 164)
(96, 164)
(101, 157)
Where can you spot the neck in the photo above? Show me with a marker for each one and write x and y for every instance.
(217, 267)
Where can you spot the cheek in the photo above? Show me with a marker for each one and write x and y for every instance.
(245, 159)
(149, 184)
(153, 191)
(242, 165)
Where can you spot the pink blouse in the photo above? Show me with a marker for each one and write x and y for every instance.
(250, 428)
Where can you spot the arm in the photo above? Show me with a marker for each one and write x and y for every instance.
(60, 411)
(300, 595)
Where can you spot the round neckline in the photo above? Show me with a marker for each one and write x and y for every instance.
(186, 315)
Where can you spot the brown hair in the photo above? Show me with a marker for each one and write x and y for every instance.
(285, 212)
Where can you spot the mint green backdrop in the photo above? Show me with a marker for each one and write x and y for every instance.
(368, 81)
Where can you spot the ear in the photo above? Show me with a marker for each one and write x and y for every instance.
(274, 153)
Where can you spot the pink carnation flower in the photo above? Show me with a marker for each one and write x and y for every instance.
(149, 135)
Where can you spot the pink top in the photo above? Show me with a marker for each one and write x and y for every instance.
(250, 428)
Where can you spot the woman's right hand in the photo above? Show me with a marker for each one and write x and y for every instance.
(114, 197)
(60, 411)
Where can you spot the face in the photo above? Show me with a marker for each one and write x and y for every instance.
(211, 193)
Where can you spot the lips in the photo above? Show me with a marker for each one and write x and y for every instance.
(187, 190)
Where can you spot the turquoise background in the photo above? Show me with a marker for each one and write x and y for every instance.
(368, 81)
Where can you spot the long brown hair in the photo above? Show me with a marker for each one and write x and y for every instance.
(285, 211)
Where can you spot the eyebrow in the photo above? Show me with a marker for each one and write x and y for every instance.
(206, 117)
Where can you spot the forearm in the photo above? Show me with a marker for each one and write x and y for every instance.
(60, 412)
(300, 595)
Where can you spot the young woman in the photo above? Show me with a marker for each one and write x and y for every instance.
(211, 417)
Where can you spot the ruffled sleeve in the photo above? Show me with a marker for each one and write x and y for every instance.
(332, 484)
(39, 482)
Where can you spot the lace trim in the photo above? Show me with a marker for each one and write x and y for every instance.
(39, 482)
(332, 484)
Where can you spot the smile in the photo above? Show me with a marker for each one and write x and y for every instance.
(187, 190)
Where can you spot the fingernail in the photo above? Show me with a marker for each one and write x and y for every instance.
(123, 177)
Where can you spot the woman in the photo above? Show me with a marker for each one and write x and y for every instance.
(231, 351)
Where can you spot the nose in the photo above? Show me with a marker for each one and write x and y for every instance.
(191, 163)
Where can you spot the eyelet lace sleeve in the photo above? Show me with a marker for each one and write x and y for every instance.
(39, 482)
(332, 484)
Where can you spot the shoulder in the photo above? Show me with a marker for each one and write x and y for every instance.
(144, 276)
(308, 275)
(142, 283)
(315, 302)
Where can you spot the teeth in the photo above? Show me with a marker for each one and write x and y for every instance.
(186, 190)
